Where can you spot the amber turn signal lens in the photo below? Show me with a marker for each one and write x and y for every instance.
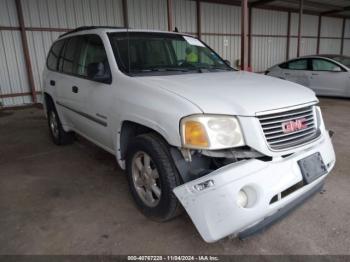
(195, 134)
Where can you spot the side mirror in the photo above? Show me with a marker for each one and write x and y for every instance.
(98, 72)
(227, 62)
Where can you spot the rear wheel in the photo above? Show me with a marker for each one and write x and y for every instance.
(58, 135)
(152, 177)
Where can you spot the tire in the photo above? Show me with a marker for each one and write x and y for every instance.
(166, 206)
(58, 135)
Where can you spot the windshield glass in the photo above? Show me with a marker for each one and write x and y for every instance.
(345, 60)
(147, 53)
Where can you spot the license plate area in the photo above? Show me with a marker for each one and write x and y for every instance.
(312, 167)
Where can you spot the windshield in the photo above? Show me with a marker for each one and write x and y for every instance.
(147, 53)
(345, 60)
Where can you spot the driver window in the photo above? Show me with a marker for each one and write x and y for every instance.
(324, 65)
(92, 51)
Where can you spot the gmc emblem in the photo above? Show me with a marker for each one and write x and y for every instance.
(294, 125)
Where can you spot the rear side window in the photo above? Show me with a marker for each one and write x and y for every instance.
(69, 56)
(298, 65)
(52, 59)
(284, 65)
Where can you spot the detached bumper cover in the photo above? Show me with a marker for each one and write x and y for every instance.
(214, 210)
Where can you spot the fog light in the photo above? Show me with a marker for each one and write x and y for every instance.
(204, 185)
(242, 199)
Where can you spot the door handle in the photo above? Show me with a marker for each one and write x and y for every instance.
(314, 74)
(52, 83)
(75, 89)
(287, 74)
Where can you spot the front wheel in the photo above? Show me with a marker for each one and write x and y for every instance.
(152, 177)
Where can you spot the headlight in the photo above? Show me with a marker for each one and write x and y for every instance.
(211, 132)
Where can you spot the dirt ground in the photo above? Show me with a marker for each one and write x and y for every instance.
(75, 200)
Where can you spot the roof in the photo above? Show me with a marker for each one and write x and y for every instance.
(85, 28)
(330, 56)
(108, 29)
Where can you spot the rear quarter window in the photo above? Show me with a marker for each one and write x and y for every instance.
(52, 58)
(70, 55)
(284, 65)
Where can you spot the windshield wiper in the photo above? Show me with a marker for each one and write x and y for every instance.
(216, 68)
(170, 69)
(160, 69)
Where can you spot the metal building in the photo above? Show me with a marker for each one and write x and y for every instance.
(273, 31)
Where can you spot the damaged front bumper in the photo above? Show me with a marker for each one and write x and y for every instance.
(211, 201)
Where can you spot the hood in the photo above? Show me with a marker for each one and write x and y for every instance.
(234, 93)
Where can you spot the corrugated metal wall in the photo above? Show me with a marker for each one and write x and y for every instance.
(347, 41)
(309, 32)
(331, 33)
(63, 14)
(221, 29)
(185, 16)
(71, 13)
(45, 20)
(269, 30)
(148, 14)
(13, 77)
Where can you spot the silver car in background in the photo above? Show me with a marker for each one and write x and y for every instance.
(327, 75)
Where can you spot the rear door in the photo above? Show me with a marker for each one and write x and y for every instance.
(328, 78)
(296, 71)
(69, 100)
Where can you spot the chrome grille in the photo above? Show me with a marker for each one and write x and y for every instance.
(277, 139)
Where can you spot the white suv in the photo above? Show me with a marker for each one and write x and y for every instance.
(238, 150)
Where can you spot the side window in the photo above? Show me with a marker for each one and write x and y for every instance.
(67, 60)
(284, 65)
(300, 64)
(92, 52)
(324, 65)
(52, 59)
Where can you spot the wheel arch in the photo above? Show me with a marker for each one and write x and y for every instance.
(48, 101)
(130, 129)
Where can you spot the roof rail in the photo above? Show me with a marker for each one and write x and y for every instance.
(83, 28)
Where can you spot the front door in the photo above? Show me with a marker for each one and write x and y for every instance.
(328, 78)
(96, 94)
(297, 71)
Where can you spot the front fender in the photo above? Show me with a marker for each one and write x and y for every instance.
(151, 106)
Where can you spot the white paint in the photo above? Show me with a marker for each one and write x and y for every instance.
(160, 102)
(326, 83)
(215, 212)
